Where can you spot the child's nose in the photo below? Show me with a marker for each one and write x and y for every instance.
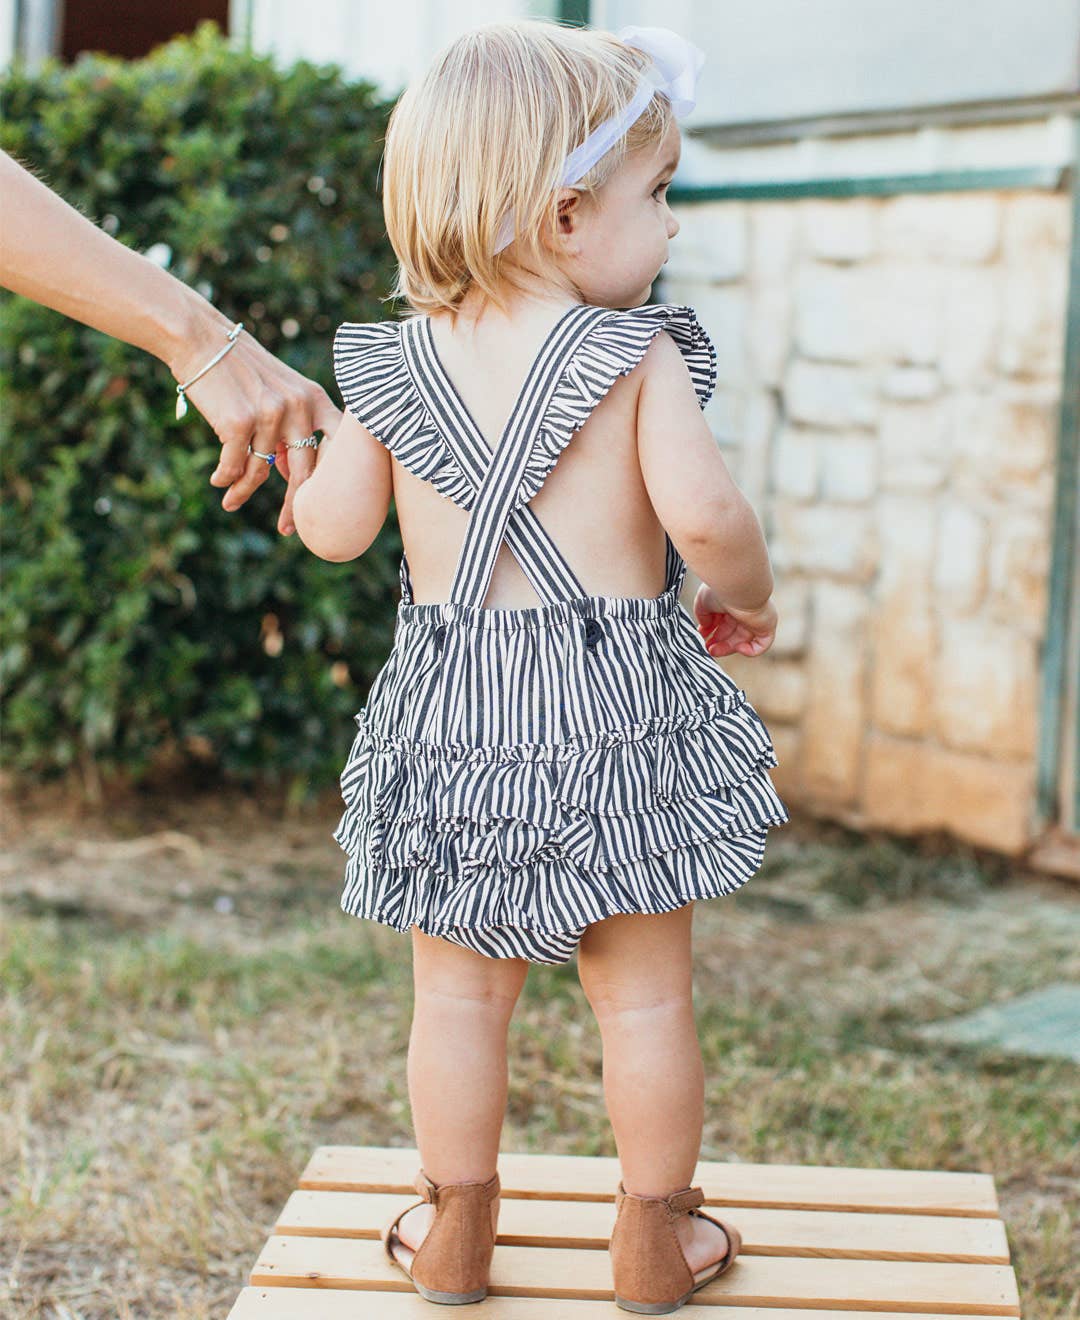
(673, 225)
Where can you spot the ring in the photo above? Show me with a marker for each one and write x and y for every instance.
(271, 459)
(308, 442)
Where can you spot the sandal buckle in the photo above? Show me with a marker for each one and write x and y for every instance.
(425, 1187)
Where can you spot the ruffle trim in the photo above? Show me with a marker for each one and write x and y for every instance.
(546, 907)
(377, 388)
(613, 349)
(723, 704)
(599, 809)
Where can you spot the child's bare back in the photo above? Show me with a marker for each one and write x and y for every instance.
(594, 505)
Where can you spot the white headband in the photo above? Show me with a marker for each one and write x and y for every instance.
(675, 66)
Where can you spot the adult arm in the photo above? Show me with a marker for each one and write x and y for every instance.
(51, 253)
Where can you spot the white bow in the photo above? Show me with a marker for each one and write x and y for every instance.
(676, 63)
(674, 70)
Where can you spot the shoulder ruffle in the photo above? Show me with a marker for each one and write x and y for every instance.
(613, 348)
(377, 388)
(375, 385)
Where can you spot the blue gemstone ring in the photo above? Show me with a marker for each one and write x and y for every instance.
(271, 459)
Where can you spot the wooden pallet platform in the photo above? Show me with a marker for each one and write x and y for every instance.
(817, 1243)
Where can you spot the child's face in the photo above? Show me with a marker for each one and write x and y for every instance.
(622, 240)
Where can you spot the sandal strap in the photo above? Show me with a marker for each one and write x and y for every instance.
(681, 1202)
(734, 1238)
(428, 1189)
(425, 1186)
(678, 1202)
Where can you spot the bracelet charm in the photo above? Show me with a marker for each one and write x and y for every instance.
(181, 398)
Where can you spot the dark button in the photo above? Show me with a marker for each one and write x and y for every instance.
(440, 635)
(593, 632)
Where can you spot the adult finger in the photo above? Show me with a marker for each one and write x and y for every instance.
(235, 436)
(269, 419)
(296, 466)
(309, 409)
(255, 473)
(270, 414)
(325, 417)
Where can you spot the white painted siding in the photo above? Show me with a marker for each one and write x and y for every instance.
(788, 59)
(389, 44)
(28, 29)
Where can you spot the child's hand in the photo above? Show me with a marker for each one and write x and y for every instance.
(727, 630)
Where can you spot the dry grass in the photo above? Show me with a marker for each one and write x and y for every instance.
(186, 1017)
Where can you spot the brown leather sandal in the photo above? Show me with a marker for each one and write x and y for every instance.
(648, 1265)
(454, 1260)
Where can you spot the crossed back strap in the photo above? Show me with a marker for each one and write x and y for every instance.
(496, 475)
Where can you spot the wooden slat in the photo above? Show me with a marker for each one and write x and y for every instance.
(593, 1178)
(777, 1281)
(339, 1304)
(588, 1224)
(817, 1243)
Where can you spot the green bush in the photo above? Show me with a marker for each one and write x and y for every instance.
(142, 625)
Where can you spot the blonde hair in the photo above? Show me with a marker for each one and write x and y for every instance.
(487, 130)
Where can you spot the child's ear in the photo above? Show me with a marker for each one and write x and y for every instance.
(568, 215)
(569, 210)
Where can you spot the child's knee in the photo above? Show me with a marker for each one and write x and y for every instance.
(447, 971)
(637, 960)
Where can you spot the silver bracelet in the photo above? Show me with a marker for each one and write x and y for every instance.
(181, 400)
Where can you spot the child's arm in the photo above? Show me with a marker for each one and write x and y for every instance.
(713, 525)
(340, 508)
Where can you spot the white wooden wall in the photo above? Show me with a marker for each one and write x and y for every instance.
(790, 59)
(386, 41)
(33, 23)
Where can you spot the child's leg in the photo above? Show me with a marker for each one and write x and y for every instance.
(457, 1067)
(635, 969)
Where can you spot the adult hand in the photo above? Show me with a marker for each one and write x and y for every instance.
(251, 398)
(727, 629)
(56, 256)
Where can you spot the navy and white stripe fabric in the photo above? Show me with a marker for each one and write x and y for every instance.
(519, 774)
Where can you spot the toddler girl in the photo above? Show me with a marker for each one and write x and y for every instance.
(550, 761)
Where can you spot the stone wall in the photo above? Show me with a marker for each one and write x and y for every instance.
(889, 380)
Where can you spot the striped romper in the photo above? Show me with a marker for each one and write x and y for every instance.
(517, 774)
